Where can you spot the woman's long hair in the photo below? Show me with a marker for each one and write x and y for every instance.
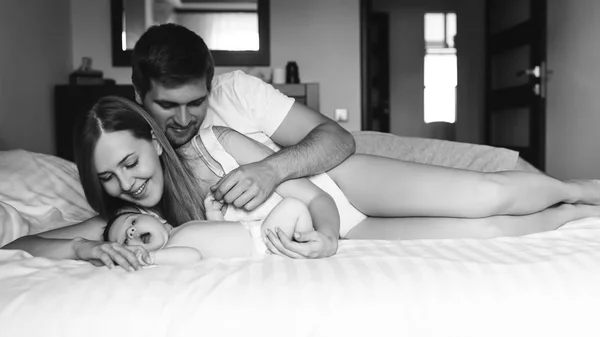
(181, 201)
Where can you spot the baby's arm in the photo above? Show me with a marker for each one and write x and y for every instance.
(175, 256)
(169, 255)
(290, 215)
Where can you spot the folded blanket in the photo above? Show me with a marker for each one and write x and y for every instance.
(436, 152)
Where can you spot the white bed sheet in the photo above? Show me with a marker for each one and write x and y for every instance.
(546, 284)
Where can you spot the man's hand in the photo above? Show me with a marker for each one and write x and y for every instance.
(247, 186)
(310, 245)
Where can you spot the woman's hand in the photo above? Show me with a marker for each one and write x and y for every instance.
(101, 253)
(312, 245)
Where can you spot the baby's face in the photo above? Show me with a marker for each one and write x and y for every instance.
(135, 229)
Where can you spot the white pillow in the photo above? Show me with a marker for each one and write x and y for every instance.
(43, 189)
(12, 224)
(436, 152)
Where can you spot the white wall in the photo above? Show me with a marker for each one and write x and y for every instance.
(573, 104)
(406, 65)
(322, 36)
(91, 37)
(36, 44)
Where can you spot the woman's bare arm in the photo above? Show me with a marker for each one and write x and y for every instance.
(57, 242)
(80, 241)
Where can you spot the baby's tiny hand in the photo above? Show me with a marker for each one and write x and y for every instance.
(213, 208)
(142, 256)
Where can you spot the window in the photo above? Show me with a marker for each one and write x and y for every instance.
(223, 30)
(236, 31)
(440, 65)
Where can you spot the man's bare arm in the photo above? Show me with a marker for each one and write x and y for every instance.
(312, 144)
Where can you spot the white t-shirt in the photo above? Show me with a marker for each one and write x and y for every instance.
(248, 105)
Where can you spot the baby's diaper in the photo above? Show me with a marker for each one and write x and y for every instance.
(254, 227)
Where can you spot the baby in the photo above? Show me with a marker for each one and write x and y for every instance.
(193, 240)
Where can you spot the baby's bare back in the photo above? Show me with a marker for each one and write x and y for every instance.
(213, 238)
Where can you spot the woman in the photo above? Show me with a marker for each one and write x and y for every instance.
(363, 185)
(122, 154)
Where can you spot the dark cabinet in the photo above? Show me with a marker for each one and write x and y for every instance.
(70, 101)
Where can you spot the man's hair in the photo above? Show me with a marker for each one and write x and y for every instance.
(182, 199)
(171, 55)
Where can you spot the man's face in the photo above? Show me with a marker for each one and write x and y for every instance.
(179, 111)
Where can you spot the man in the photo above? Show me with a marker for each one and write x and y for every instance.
(173, 79)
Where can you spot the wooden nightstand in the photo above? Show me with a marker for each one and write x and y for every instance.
(70, 101)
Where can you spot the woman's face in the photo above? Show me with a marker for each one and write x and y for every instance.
(129, 168)
(135, 229)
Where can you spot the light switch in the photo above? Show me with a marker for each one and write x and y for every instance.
(341, 115)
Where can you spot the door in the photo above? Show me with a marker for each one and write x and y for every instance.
(375, 69)
(379, 72)
(515, 77)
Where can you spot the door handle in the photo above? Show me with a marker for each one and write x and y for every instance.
(535, 72)
(538, 72)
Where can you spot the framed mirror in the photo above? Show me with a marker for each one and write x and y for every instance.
(236, 31)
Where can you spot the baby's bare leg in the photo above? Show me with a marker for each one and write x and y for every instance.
(290, 215)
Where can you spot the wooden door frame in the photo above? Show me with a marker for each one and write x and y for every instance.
(366, 115)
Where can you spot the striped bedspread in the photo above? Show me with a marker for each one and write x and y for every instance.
(547, 284)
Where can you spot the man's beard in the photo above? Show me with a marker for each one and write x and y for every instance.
(177, 139)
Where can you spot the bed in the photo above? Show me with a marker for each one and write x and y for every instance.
(545, 284)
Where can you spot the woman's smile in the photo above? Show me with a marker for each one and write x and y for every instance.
(129, 168)
(137, 193)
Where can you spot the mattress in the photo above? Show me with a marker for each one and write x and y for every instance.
(546, 284)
